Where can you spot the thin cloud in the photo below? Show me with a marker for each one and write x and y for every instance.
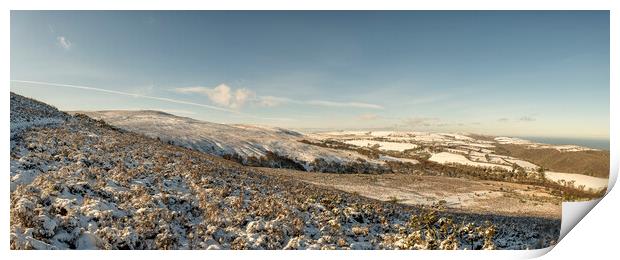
(170, 100)
(63, 42)
(124, 94)
(272, 101)
(224, 96)
(503, 119)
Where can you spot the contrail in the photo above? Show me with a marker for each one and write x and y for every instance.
(127, 94)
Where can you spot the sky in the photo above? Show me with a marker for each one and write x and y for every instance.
(518, 73)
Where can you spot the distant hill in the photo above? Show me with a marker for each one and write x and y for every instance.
(249, 144)
(592, 162)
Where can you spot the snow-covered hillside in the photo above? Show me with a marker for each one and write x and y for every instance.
(82, 184)
(27, 113)
(251, 145)
(535, 145)
(451, 148)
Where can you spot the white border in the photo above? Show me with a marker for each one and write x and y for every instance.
(328, 5)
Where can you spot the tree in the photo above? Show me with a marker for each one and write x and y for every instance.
(541, 174)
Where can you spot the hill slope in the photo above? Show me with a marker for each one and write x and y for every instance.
(250, 145)
(591, 162)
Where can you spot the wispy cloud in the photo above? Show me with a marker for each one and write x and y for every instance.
(63, 42)
(170, 100)
(225, 96)
(123, 93)
(503, 119)
(271, 101)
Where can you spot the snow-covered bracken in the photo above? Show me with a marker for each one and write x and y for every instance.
(83, 184)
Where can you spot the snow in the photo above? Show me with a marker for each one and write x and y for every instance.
(525, 164)
(28, 113)
(530, 144)
(395, 159)
(590, 182)
(405, 138)
(386, 146)
(447, 158)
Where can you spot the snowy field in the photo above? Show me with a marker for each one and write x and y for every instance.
(530, 144)
(447, 158)
(386, 146)
(588, 181)
(395, 159)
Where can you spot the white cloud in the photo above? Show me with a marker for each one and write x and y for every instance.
(63, 42)
(221, 95)
(242, 96)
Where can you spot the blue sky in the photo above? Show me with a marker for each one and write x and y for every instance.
(502, 73)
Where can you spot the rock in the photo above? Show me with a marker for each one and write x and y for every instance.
(214, 247)
(361, 246)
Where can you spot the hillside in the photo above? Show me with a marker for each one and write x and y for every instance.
(28, 113)
(83, 184)
(247, 144)
(515, 159)
(592, 162)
